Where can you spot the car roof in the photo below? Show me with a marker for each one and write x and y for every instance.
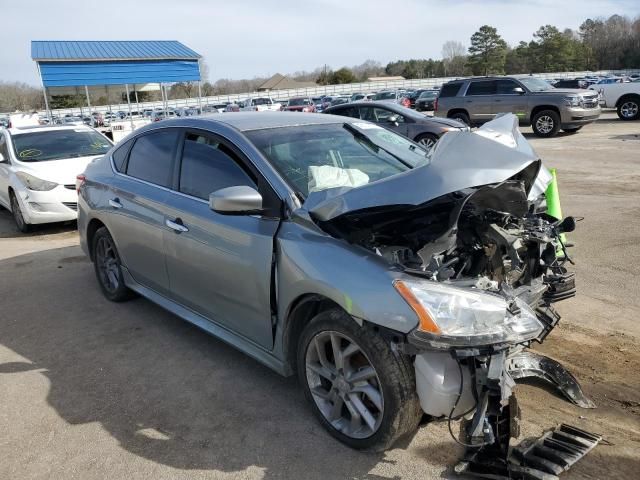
(246, 121)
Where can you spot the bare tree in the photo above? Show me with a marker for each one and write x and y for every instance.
(454, 57)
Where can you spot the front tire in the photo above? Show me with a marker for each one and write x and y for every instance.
(362, 392)
(546, 123)
(629, 109)
(427, 140)
(18, 218)
(107, 265)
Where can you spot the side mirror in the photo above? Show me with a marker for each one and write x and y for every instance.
(2, 159)
(393, 119)
(238, 200)
(519, 90)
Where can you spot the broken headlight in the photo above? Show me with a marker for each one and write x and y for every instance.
(451, 316)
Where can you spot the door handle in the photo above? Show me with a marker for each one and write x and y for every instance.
(115, 203)
(497, 100)
(177, 225)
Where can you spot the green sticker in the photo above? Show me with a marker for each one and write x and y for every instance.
(30, 153)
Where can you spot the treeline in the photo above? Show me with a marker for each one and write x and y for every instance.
(598, 44)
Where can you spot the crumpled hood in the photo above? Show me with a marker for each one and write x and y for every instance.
(461, 159)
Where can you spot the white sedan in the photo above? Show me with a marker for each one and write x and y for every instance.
(38, 169)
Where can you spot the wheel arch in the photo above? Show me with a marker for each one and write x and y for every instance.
(93, 226)
(457, 110)
(299, 313)
(628, 96)
(539, 108)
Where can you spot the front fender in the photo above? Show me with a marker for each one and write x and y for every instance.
(360, 282)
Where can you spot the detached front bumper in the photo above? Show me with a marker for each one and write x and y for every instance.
(57, 205)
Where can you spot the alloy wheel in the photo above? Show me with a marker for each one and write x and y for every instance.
(344, 385)
(427, 142)
(107, 263)
(629, 109)
(544, 124)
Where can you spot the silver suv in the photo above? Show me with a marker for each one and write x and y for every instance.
(533, 100)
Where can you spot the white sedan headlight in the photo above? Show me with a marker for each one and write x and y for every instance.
(451, 316)
(35, 183)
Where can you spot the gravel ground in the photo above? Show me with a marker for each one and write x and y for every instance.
(91, 389)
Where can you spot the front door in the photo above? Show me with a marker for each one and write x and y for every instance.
(383, 117)
(507, 100)
(219, 265)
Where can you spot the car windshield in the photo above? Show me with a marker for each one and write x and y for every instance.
(59, 144)
(296, 102)
(432, 94)
(318, 157)
(385, 96)
(536, 84)
(262, 101)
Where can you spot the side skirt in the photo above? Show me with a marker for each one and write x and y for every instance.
(254, 351)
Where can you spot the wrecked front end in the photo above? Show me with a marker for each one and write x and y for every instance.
(484, 265)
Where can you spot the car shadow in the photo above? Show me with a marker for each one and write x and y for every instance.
(8, 228)
(165, 390)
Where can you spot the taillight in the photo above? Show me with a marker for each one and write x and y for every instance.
(80, 179)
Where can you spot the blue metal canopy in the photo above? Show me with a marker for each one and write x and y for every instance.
(72, 63)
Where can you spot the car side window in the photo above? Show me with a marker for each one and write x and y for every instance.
(483, 87)
(208, 165)
(151, 158)
(382, 115)
(4, 149)
(349, 112)
(506, 87)
(119, 156)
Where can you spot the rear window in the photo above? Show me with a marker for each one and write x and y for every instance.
(450, 89)
(58, 145)
(151, 158)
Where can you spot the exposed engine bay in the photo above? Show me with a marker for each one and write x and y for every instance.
(498, 238)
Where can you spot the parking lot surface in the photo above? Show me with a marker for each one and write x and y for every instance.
(91, 389)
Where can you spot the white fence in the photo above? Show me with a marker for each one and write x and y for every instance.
(364, 87)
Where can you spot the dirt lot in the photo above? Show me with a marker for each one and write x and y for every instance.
(91, 389)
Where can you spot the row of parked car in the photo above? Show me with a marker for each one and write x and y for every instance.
(593, 81)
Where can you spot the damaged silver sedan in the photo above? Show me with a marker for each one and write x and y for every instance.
(397, 283)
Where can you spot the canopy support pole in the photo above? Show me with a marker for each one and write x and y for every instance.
(46, 100)
(129, 105)
(200, 96)
(86, 91)
(135, 92)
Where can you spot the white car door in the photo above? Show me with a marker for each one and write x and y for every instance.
(5, 167)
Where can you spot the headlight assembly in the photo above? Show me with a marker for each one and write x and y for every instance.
(572, 101)
(35, 183)
(451, 316)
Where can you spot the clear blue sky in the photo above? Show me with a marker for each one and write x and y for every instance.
(247, 38)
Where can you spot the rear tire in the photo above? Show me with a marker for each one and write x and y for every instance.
(384, 398)
(546, 123)
(19, 220)
(571, 130)
(629, 109)
(107, 265)
(461, 117)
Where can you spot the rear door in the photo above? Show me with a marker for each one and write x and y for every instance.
(135, 204)
(507, 100)
(220, 265)
(479, 100)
